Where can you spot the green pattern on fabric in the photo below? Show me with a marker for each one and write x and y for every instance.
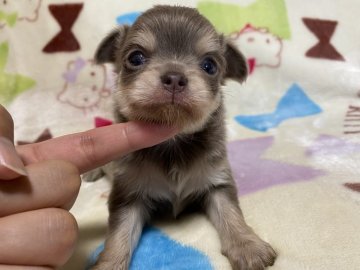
(229, 18)
(10, 19)
(11, 84)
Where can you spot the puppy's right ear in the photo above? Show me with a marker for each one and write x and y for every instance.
(106, 52)
(236, 64)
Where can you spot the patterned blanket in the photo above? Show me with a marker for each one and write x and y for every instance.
(293, 126)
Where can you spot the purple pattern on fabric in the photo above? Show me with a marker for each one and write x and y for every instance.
(71, 75)
(252, 173)
(331, 145)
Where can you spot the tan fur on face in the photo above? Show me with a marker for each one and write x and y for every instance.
(142, 96)
(146, 99)
(208, 43)
(144, 38)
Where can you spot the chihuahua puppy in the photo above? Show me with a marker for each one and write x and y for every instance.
(171, 63)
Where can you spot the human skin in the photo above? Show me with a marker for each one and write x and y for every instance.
(39, 183)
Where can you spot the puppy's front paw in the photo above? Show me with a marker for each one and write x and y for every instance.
(250, 254)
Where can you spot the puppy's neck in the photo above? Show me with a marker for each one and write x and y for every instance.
(214, 122)
(184, 150)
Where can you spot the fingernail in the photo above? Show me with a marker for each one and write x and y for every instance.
(9, 157)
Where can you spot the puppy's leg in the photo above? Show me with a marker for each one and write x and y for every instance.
(125, 226)
(244, 249)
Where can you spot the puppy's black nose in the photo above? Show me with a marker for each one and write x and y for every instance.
(174, 82)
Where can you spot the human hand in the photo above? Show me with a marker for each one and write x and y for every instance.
(40, 182)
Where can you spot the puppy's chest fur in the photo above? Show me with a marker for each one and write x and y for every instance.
(176, 173)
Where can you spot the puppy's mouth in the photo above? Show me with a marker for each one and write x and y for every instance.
(183, 108)
(172, 111)
(179, 100)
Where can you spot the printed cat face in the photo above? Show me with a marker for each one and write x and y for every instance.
(18, 10)
(85, 84)
(259, 44)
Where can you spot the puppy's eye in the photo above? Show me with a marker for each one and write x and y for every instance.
(209, 66)
(137, 58)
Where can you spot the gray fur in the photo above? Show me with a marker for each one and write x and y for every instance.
(191, 170)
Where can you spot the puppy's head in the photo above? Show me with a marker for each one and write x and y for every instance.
(171, 63)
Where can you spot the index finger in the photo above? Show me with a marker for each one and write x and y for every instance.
(91, 149)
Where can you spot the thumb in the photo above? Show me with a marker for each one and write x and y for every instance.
(11, 165)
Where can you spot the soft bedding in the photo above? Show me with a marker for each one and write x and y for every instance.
(293, 126)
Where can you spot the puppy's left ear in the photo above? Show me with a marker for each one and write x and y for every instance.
(236, 66)
(106, 52)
